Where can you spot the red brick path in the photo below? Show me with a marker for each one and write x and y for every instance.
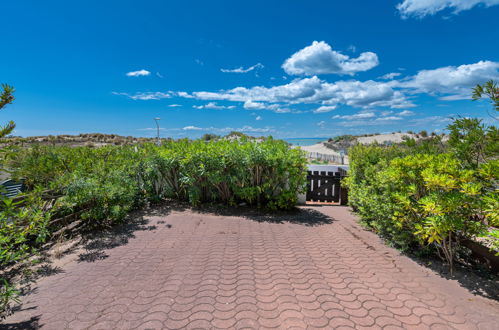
(208, 271)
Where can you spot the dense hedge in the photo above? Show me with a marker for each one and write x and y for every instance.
(103, 184)
(266, 174)
(426, 194)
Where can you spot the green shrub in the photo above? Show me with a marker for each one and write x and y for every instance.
(104, 184)
(423, 193)
(107, 182)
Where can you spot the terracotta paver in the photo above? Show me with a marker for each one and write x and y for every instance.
(191, 270)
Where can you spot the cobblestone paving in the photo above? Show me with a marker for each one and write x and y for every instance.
(204, 271)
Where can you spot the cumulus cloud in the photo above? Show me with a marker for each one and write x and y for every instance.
(359, 115)
(455, 82)
(145, 96)
(320, 58)
(406, 113)
(421, 8)
(447, 83)
(192, 128)
(243, 70)
(244, 129)
(389, 118)
(258, 118)
(434, 121)
(250, 105)
(325, 108)
(390, 76)
(312, 91)
(213, 105)
(138, 73)
(174, 105)
(250, 129)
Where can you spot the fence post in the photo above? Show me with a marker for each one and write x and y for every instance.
(343, 189)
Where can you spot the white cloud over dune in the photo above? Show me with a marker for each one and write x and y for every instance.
(312, 91)
(320, 58)
(452, 82)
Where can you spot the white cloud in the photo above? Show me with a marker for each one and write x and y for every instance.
(454, 81)
(174, 105)
(244, 129)
(199, 62)
(250, 129)
(320, 58)
(325, 108)
(258, 118)
(421, 8)
(433, 121)
(184, 95)
(447, 83)
(213, 105)
(359, 115)
(313, 91)
(321, 124)
(406, 113)
(138, 73)
(242, 70)
(250, 105)
(159, 75)
(145, 96)
(389, 118)
(390, 76)
(192, 128)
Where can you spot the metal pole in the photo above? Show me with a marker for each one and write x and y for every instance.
(157, 119)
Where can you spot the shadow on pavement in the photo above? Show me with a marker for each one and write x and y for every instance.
(32, 323)
(478, 281)
(300, 216)
(96, 243)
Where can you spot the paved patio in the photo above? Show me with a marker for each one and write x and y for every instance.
(182, 269)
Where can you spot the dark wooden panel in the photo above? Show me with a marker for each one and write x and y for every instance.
(323, 186)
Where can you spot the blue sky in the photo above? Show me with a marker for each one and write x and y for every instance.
(283, 68)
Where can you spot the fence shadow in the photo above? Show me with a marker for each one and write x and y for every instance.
(300, 216)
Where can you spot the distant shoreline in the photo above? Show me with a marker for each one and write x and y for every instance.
(305, 141)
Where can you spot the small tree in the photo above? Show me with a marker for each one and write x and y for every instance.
(6, 97)
(490, 90)
(210, 137)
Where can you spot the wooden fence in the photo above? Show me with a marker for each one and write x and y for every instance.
(337, 159)
(326, 187)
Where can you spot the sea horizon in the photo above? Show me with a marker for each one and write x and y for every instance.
(305, 141)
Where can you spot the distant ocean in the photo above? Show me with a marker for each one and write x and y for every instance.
(304, 141)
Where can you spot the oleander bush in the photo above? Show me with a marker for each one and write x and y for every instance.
(265, 174)
(102, 185)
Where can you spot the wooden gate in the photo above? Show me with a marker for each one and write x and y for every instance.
(325, 187)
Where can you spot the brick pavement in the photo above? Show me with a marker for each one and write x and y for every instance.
(190, 270)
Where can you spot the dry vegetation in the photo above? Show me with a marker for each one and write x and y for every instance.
(88, 139)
